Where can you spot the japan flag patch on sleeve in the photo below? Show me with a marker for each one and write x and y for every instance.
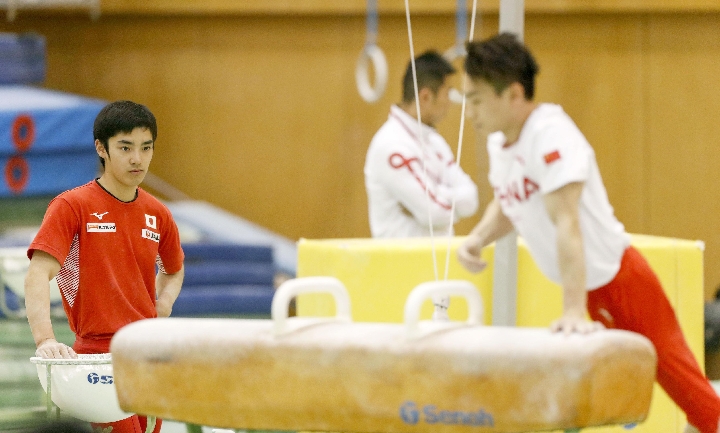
(551, 157)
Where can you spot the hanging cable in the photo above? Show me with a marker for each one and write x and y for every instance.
(371, 53)
(458, 50)
(421, 136)
(441, 303)
(460, 138)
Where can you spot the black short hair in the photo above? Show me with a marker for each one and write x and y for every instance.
(122, 116)
(431, 69)
(501, 61)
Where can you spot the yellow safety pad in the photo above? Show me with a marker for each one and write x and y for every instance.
(380, 273)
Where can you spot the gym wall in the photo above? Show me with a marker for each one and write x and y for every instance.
(258, 111)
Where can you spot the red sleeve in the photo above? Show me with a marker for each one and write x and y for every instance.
(57, 232)
(170, 251)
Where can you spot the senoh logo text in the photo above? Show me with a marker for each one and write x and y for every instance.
(411, 414)
(95, 378)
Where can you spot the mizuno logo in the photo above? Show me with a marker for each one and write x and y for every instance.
(99, 215)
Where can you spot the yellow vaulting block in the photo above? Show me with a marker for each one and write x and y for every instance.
(380, 273)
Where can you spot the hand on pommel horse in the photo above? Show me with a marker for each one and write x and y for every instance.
(330, 374)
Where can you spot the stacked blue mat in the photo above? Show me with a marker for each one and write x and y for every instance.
(22, 58)
(46, 139)
(226, 280)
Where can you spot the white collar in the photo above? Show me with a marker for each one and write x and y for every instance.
(409, 123)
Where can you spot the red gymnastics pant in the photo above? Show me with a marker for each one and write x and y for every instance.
(634, 301)
(133, 424)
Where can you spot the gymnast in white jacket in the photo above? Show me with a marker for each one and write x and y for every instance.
(405, 198)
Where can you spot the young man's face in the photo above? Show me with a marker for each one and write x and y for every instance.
(488, 111)
(437, 104)
(128, 157)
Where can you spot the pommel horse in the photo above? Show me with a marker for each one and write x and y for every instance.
(82, 388)
(330, 374)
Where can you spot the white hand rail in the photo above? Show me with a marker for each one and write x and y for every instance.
(297, 286)
(427, 290)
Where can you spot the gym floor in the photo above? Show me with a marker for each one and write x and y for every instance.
(22, 399)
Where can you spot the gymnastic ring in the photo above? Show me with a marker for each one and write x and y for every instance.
(455, 96)
(455, 52)
(371, 53)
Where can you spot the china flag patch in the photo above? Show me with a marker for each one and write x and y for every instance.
(552, 156)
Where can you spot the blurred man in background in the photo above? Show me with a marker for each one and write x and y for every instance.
(411, 176)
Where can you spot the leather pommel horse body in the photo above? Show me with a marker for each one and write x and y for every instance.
(336, 375)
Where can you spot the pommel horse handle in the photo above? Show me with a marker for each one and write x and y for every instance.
(297, 286)
(427, 290)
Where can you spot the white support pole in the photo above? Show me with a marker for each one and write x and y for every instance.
(504, 305)
(512, 17)
(504, 297)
